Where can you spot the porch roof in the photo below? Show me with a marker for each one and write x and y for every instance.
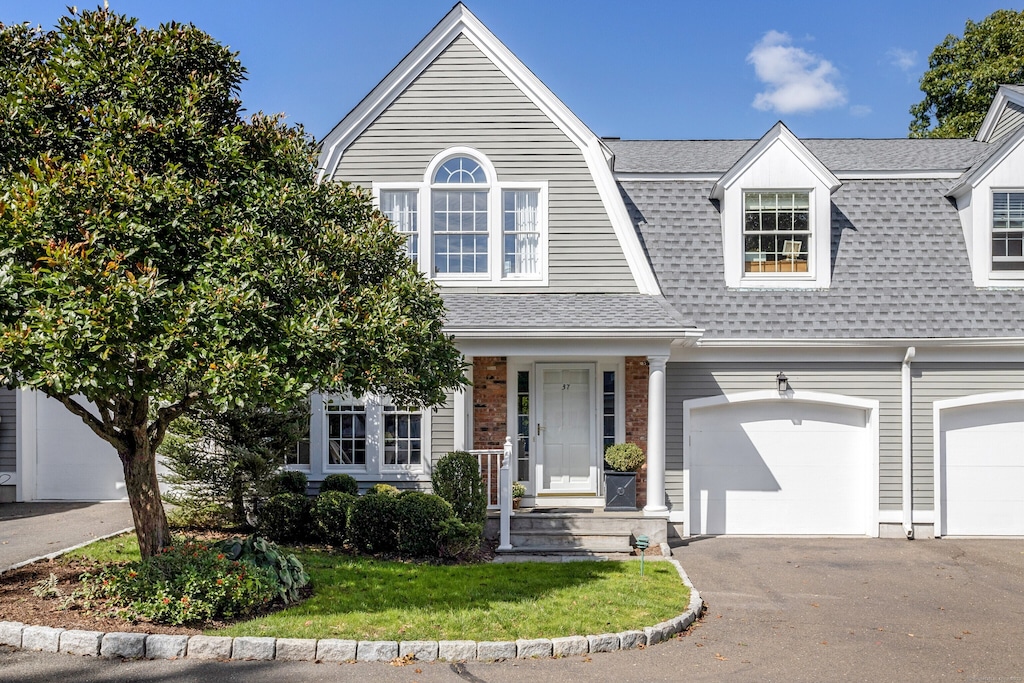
(599, 315)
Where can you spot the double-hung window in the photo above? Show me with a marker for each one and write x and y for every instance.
(372, 436)
(464, 225)
(1008, 231)
(776, 232)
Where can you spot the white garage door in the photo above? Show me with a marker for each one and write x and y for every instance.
(72, 463)
(982, 450)
(779, 467)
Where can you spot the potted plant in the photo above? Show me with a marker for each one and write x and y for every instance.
(518, 491)
(622, 461)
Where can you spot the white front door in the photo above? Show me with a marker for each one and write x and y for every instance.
(566, 460)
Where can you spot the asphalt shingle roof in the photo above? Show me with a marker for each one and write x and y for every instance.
(900, 268)
(718, 156)
(560, 311)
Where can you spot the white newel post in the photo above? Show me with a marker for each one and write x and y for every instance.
(656, 436)
(505, 496)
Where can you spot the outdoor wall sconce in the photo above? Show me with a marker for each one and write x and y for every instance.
(783, 382)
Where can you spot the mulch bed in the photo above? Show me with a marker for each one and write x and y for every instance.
(19, 603)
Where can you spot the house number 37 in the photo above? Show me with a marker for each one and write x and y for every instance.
(565, 387)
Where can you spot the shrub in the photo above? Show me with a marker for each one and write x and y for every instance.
(624, 457)
(288, 573)
(419, 520)
(287, 481)
(330, 513)
(185, 583)
(284, 518)
(373, 524)
(383, 489)
(345, 483)
(456, 478)
(458, 540)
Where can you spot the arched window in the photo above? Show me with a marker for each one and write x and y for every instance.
(474, 228)
(460, 225)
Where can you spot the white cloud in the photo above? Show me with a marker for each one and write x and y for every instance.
(860, 110)
(798, 81)
(904, 60)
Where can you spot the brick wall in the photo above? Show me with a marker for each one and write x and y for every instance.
(490, 416)
(636, 415)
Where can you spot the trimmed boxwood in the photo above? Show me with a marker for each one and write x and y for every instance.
(287, 481)
(330, 512)
(456, 478)
(345, 483)
(373, 524)
(420, 516)
(284, 518)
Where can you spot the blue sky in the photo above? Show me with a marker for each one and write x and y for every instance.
(651, 69)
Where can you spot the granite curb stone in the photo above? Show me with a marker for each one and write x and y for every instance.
(44, 638)
(296, 649)
(334, 650)
(165, 646)
(10, 633)
(126, 645)
(421, 650)
(536, 647)
(247, 647)
(456, 650)
(493, 650)
(376, 650)
(209, 647)
(85, 643)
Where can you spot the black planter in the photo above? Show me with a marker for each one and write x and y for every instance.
(619, 491)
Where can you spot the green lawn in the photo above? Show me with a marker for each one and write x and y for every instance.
(364, 599)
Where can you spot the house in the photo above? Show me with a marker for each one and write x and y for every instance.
(806, 336)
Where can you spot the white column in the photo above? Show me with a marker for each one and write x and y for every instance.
(656, 436)
(463, 412)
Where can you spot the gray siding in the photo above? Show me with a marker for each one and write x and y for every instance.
(442, 430)
(935, 382)
(8, 430)
(463, 99)
(878, 381)
(1010, 120)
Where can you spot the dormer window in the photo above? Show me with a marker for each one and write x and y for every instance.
(1008, 231)
(480, 230)
(776, 232)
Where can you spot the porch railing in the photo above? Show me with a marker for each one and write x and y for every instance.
(496, 470)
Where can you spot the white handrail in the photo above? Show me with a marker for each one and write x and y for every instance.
(505, 497)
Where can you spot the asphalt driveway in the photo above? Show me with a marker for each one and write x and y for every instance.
(778, 610)
(29, 530)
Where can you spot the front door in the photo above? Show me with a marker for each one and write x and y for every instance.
(566, 461)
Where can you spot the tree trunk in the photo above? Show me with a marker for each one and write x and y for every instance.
(144, 497)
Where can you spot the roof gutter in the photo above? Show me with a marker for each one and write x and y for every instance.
(862, 342)
(575, 333)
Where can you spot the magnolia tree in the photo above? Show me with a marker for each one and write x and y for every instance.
(158, 251)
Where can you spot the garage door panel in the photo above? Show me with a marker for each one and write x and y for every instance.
(781, 467)
(983, 469)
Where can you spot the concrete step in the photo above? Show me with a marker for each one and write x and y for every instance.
(578, 523)
(607, 542)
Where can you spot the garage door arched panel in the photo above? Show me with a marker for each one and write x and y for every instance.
(805, 463)
(979, 465)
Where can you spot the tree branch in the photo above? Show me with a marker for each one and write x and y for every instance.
(167, 414)
(102, 429)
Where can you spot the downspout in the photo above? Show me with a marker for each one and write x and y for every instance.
(908, 449)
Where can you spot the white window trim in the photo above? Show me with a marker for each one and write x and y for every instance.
(1004, 278)
(374, 467)
(812, 239)
(496, 243)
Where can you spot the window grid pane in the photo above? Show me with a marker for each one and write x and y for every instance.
(460, 231)
(400, 208)
(523, 425)
(776, 232)
(346, 435)
(521, 232)
(460, 170)
(608, 410)
(403, 443)
(1008, 231)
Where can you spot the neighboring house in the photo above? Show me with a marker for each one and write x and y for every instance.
(806, 336)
